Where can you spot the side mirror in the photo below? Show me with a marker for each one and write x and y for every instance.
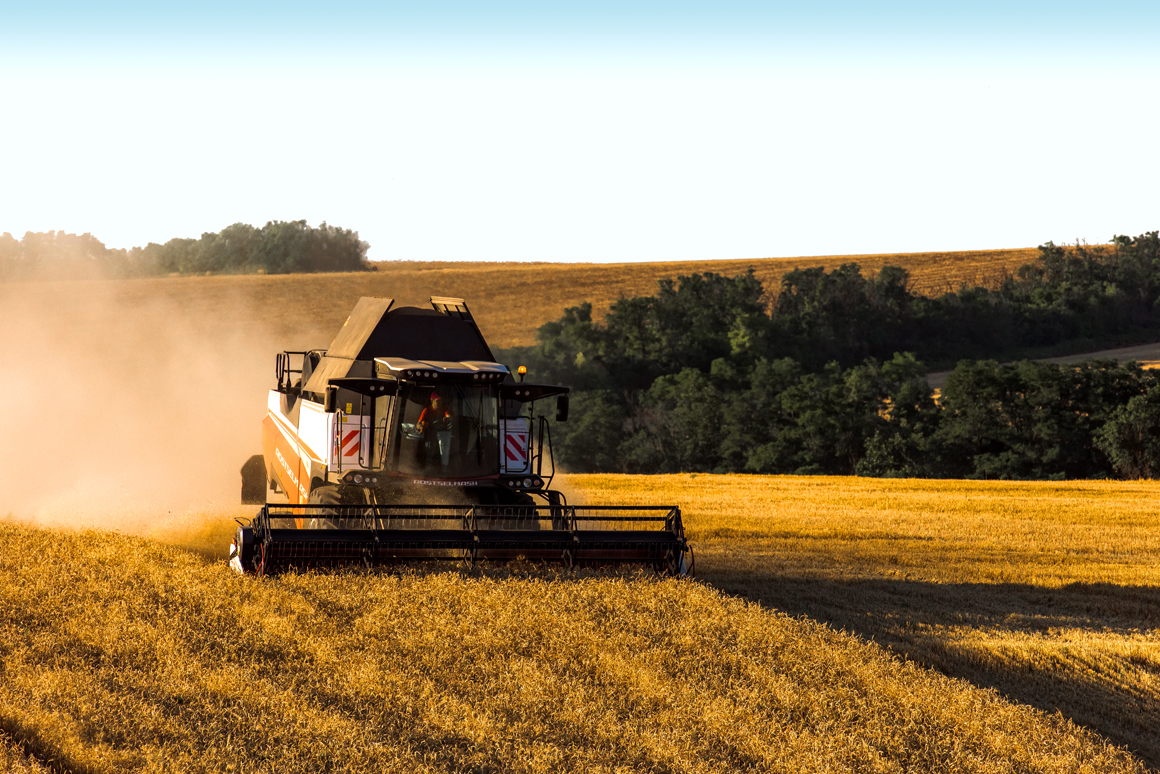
(330, 400)
(562, 408)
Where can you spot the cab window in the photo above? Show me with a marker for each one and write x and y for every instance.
(448, 431)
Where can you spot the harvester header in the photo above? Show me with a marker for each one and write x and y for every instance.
(405, 440)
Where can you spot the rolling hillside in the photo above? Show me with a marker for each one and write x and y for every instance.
(510, 299)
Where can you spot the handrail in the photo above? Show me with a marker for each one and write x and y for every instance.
(545, 426)
(282, 369)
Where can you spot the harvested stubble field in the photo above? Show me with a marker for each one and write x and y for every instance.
(14, 761)
(510, 299)
(148, 654)
(1047, 592)
(1147, 355)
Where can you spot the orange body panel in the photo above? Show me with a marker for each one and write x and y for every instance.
(283, 461)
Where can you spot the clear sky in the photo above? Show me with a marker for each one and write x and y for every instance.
(586, 131)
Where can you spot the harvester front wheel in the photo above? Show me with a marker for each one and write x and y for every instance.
(324, 495)
(344, 513)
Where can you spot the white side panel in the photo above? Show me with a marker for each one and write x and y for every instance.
(515, 437)
(316, 434)
(274, 406)
(315, 429)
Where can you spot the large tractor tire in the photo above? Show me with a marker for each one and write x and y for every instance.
(325, 495)
(254, 481)
(323, 517)
(347, 496)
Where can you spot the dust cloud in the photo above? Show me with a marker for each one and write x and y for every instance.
(126, 409)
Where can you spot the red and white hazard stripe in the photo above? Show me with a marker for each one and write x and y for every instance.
(348, 439)
(516, 450)
(350, 443)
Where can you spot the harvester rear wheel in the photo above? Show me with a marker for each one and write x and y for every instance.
(254, 480)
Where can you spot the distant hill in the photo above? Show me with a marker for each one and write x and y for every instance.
(510, 300)
(558, 285)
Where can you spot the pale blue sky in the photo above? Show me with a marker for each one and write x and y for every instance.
(614, 132)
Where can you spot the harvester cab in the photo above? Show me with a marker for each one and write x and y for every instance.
(405, 440)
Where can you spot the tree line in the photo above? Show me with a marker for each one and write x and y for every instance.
(279, 247)
(828, 374)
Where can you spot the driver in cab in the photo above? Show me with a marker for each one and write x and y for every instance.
(435, 424)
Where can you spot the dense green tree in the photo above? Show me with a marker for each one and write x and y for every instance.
(841, 315)
(905, 444)
(55, 255)
(677, 426)
(830, 416)
(589, 441)
(689, 323)
(1032, 419)
(706, 375)
(278, 247)
(1131, 437)
(754, 414)
(570, 351)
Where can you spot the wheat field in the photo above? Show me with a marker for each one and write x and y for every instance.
(836, 625)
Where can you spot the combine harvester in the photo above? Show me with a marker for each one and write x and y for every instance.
(406, 441)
